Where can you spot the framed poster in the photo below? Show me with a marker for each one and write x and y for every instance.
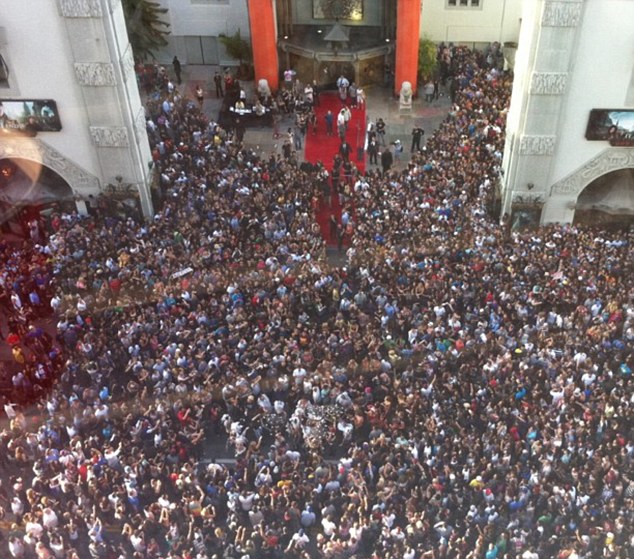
(29, 116)
(612, 125)
(338, 9)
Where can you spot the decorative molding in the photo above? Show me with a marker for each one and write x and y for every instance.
(537, 145)
(140, 124)
(127, 64)
(527, 199)
(561, 14)
(36, 150)
(109, 136)
(80, 8)
(549, 83)
(95, 73)
(612, 159)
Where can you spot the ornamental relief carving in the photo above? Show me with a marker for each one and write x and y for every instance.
(109, 136)
(561, 14)
(611, 159)
(127, 64)
(36, 150)
(95, 73)
(80, 8)
(549, 83)
(140, 124)
(537, 145)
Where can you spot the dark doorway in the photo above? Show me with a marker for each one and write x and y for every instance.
(607, 201)
(30, 191)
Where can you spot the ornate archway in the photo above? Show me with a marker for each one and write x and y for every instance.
(560, 205)
(611, 159)
(24, 182)
(608, 200)
(29, 191)
(80, 181)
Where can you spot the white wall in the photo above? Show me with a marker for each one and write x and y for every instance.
(213, 18)
(600, 79)
(495, 20)
(42, 62)
(100, 109)
(524, 59)
(596, 58)
(192, 18)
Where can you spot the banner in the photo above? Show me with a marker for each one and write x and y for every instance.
(27, 117)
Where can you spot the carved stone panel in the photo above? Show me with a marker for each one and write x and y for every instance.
(548, 83)
(561, 14)
(127, 64)
(611, 159)
(140, 124)
(95, 73)
(537, 145)
(36, 150)
(80, 8)
(109, 136)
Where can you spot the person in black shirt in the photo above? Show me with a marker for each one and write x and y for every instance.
(380, 131)
(417, 136)
(176, 63)
(373, 152)
(344, 150)
(386, 160)
(336, 171)
(316, 92)
(218, 84)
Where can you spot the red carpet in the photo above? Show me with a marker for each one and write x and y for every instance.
(321, 147)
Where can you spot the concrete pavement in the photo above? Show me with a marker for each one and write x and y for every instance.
(379, 103)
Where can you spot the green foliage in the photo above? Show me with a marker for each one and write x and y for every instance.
(146, 30)
(427, 58)
(236, 47)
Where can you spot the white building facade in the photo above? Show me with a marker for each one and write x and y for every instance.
(195, 26)
(573, 56)
(77, 54)
(476, 23)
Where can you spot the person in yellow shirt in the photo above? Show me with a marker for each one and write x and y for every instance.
(18, 355)
(476, 483)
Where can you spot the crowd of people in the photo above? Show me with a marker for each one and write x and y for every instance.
(456, 390)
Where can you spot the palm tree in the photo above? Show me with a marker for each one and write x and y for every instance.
(238, 49)
(146, 30)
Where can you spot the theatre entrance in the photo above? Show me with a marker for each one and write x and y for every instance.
(608, 201)
(30, 192)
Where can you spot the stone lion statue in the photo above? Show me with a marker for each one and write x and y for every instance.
(263, 88)
(406, 94)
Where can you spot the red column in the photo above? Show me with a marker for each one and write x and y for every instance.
(407, 38)
(264, 41)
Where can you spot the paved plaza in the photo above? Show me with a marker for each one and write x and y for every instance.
(380, 103)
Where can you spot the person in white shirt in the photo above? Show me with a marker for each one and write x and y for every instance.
(330, 528)
(49, 518)
(16, 547)
(360, 98)
(246, 501)
(299, 374)
(112, 456)
(34, 529)
(16, 301)
(298, 541)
